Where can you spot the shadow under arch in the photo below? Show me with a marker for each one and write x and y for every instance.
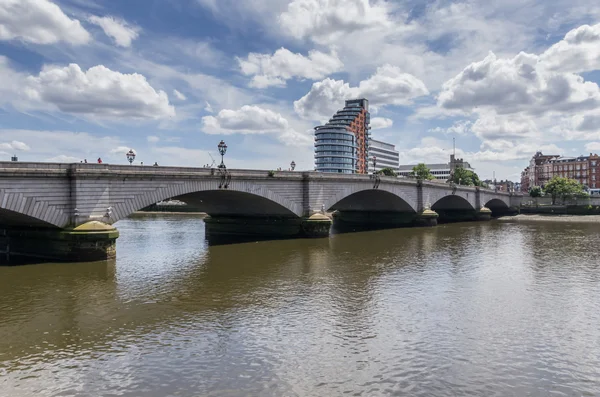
(454, 208)
(498, 207)
(371, 209)
(12, 218)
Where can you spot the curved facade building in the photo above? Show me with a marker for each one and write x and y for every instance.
(342, 144)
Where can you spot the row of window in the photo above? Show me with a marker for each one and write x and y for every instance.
(336, 160)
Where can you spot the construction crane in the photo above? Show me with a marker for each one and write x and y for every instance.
(213, 160)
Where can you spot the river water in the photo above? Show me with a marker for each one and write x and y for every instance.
(485, 309)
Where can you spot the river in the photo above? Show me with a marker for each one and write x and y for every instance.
(486, 309)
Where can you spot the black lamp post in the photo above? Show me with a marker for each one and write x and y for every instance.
(130, 156)
(222, 149)
(293, 165)
(374, 164)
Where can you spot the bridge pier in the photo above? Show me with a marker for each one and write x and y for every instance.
(92, 241)
(317, 225)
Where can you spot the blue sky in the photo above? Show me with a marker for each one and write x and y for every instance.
(171, 78)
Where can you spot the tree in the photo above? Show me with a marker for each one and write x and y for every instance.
(421, 172)
(463, 176)
(387, 171)
(564, 188)
(536, 191)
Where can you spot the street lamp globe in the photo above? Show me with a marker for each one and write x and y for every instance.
(222, 150)
(130, 156)
(293, 165)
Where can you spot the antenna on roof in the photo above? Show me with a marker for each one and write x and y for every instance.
(454, 146)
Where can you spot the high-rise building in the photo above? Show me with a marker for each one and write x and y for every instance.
(342, 144)
(385, 153)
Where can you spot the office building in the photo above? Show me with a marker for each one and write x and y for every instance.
(385, 154)
(341, 145)
(441, 171)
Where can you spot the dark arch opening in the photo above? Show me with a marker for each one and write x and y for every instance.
(14, 219)
(372, 200)
(454, 209)
(371, 210)
(498, 207)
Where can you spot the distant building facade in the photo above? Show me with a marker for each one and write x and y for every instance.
(441, 171)
(385, 154)
(542, 168)
(342, 144)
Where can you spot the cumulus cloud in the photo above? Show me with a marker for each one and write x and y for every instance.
(273, 70)
(120, 31)
(39, 22)
(97, 92)
(14, 145)
(253, 120)
(179, 95)
(578, 52)
(122, 150)
(246, 120)
(327, 20)
(381, 122)
(593, 147)
(516, 85)
(460, 127)
(152, 139)
(387, 86)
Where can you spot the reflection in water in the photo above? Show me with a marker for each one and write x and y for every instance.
(475, 308)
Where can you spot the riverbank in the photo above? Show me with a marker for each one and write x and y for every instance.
(552, 218)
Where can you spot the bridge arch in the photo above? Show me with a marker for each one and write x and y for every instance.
(452, 203)
(51, 220)
(383, 199)
(241, 198)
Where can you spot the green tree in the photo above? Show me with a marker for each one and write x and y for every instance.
(564, 188)
(387, 171)
(536, 191)
(463, 176)
(421, 172)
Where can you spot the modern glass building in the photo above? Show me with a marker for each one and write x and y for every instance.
(342, 144)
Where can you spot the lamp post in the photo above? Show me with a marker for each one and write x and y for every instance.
(222, 150)
(130, 156)
(374, 164)
(293, 165)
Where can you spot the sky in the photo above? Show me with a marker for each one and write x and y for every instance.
(82, 79)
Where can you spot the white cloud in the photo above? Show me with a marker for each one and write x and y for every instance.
(39, 22)
(325, 21)
(179, 95)
(517, 85)
(120, 31)
(387, 86)
(152, 139)
(578, 52)
(14, 145)
(63, 158)
(208, 108)
(592, 147)
(460, 127)
(98, 92)
(268, 70)
(254, 120)
(381, 122)
(122, 150)
(246, 120)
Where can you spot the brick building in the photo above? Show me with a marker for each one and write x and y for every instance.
(542, 168)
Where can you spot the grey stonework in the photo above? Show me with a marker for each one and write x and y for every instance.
(66, 195)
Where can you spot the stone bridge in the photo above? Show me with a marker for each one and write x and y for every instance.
(78, 202)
